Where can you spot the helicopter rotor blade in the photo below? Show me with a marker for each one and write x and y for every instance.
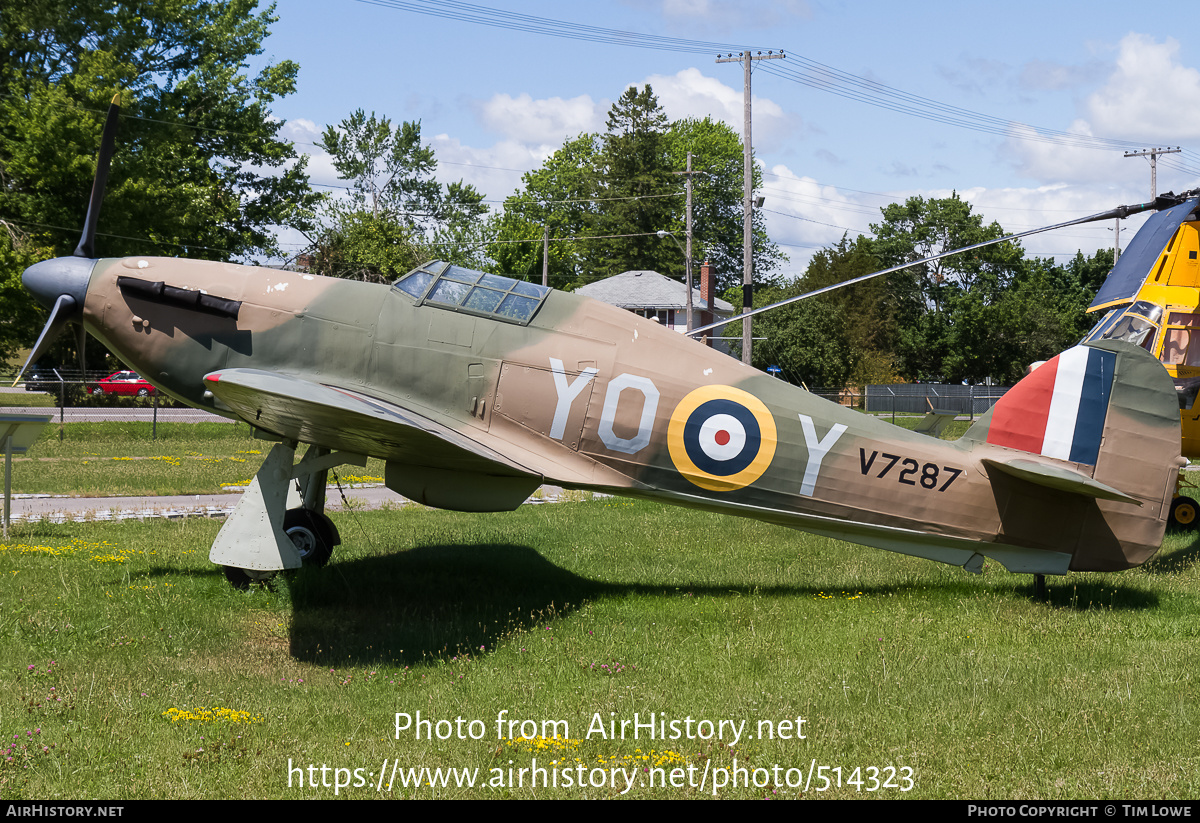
(1163, 201)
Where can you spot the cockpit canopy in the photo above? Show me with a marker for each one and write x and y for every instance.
(488, 295)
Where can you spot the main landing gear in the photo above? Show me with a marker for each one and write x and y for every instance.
(275, 526)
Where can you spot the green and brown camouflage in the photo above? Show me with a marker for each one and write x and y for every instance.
(476, 389)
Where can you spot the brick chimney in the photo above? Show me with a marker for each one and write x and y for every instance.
(708, 288)
(708, 284)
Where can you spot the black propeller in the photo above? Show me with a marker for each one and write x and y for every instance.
(61, 284)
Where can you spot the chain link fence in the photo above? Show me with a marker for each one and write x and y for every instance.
(919, 398)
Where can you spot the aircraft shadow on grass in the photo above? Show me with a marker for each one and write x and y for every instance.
(438, 602)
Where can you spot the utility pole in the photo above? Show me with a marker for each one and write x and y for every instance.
(1153, 155)
(687, 261)
(747, 195)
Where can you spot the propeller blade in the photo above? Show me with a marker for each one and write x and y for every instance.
(63, 313)
(87, 243)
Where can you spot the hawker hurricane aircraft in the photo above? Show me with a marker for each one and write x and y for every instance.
(476, 388)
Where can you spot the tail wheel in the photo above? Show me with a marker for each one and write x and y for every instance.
(313, 535)
(1185, 514)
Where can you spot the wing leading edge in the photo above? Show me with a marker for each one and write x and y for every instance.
(426, 461)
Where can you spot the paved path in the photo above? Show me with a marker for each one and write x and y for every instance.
(98, 415)
(59, 509)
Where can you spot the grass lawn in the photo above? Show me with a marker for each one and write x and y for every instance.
(128, 668)
(119, 459)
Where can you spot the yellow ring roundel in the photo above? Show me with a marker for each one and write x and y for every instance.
(721, 438)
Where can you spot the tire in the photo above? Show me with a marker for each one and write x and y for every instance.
(313, 535)
(96, 392)
(1185, 514)
(143, 393)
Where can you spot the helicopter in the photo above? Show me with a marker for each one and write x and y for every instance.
(1151, 298)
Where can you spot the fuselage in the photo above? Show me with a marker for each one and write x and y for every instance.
(591, 396)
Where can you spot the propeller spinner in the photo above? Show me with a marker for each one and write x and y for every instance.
(61, 284)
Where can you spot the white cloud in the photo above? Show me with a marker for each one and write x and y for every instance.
(1047, 75)
(495, 170)
(545, 122)
(804, 215)
(1150, 96)
(689, 93)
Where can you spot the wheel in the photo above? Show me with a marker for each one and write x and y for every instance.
(143, 392)
(313, 535)
(96, 392)
(241, 579)
(1185, 513)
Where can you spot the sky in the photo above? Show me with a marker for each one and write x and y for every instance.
(1030, 106)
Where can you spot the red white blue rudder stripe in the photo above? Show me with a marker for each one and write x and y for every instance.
(1058, 410)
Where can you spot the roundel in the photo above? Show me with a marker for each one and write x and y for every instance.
(721, 438)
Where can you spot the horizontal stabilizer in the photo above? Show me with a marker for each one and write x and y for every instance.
(1058, 477)
(935, 422)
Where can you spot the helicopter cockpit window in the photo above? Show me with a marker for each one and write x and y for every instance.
(1181, 341)
(1136, 324)
(450, 287)
(1106, 322)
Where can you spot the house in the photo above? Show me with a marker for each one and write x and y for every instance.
(656, 296)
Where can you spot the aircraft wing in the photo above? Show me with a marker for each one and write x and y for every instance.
(343, 420)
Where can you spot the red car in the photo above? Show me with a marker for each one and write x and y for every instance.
(127, 383)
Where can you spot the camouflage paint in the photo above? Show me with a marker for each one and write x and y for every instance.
(590, 396)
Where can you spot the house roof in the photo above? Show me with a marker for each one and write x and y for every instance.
(649, 290)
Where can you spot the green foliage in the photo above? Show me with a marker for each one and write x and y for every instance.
(395, 215)
(560, 195)
(717, 187)
(199, 168)
(840, 338)
(984, 313)
(641, 196)
(605, 197)
(17, 252)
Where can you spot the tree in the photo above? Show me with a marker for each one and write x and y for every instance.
(839, 338)
(639, 193)
(199, 167)
(927, 297)
(395, 216)
(605, 197)
(1038, 316)
(717, 200)
(561, 196)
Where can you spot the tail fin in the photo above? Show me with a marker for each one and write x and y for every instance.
(1083, 455)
